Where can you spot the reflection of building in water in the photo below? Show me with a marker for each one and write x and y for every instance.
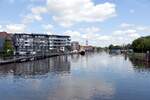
(32, 68)
(60, 64)
(57, 65)
(75, 57)
(125, 56)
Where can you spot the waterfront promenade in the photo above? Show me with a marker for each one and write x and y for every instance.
(31, 58)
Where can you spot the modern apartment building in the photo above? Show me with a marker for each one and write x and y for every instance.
(58, 42)
(39, 43)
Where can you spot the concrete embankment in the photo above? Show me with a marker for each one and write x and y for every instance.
(31, 58)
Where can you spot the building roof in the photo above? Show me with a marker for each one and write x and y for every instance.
(37, 34)
(5, 35)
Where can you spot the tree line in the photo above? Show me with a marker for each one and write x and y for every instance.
(7, 49)
(141, 44)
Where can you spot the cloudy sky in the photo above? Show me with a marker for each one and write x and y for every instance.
(101, 22)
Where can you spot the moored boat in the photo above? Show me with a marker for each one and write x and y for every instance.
(82, 52)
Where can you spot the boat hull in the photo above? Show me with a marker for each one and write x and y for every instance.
(82, 52)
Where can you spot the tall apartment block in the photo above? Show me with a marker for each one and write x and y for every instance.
(40, 43)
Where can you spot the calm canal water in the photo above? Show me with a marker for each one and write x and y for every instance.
(95, 76)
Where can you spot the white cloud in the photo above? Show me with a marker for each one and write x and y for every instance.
(38, 10)
(125, 36)
(75, 35)
(47, 27)
(90, 33)
(30, 18)
(141, 28)
(122, 35)
(126, 25)
(93, 38)
(69, 12)
(93, 35)
(144, 30)
(1, 28)
(128, 32)
(34, 15)
(124, 32)
(92, 29)
(12, 28)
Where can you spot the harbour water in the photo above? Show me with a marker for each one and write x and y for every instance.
(94, 76)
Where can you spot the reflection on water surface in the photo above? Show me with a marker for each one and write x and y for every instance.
(95, 76)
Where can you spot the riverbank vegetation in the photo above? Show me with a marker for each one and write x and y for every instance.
(121, 47)
(7, 49)
(141, 48)
(141, 44)
(137, 56)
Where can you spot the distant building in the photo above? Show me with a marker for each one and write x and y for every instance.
(87, 48)
(39, 43)
(75, 46)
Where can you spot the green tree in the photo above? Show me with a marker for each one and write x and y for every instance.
(141, 44)
(114, 47)
(8, 48)
(111, 46)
